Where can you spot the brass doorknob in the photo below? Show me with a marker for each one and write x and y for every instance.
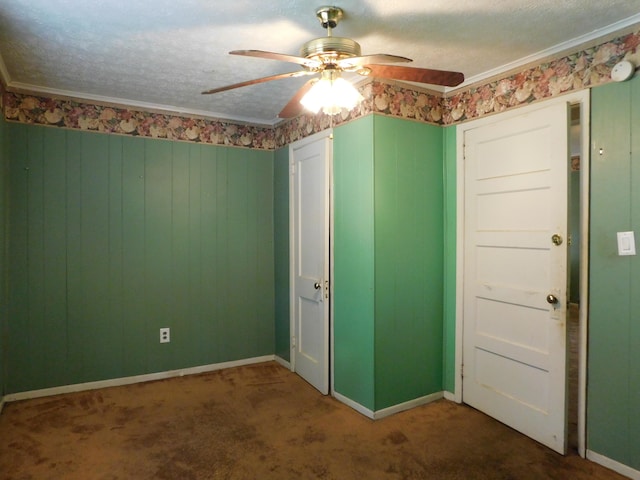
(552, 299)
(556, 239)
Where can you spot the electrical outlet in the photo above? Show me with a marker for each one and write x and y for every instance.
(165, 335)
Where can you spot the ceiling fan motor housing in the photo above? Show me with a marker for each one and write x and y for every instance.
(333, 48)
(330, 49)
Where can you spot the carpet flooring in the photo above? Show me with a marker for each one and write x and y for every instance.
(261, 422)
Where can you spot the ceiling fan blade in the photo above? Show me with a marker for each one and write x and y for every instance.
(294, 107)
(278, 56)
(368, 59)
(413, 74)
(258, 80)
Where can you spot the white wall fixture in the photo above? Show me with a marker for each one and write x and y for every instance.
(626, 243)
(622, 71)
(165, 335)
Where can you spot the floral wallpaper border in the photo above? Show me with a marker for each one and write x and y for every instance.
(579, 70)
(380, 97)
(98, 118)
(576, 71)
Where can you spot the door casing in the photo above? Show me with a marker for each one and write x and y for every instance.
(581, 98)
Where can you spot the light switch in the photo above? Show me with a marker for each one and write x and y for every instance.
(626, 243)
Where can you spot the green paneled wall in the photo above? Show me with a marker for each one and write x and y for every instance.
(450, 222)
(353, 287)
(408, 216)
(388, 261)
(3, 254)
(281, 252)
(113, 237)
(613, 403)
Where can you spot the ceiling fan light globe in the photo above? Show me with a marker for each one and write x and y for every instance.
(345, 94)
(331, 95)
(314, 99)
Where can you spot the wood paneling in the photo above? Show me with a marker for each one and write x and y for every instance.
(112, 238)
(353, 288)
(281, 252)
(4, 160)
(388, 287)
(614, 335)
(450, 228)
(408, 260)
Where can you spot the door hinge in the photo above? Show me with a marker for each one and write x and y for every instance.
(293, 341)
(292, 169)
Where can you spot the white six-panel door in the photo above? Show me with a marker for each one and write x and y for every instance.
(310, 163)
(514, 340)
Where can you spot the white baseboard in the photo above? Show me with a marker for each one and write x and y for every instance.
(385, 412)
(283, 362)
(613, 465)
(116, 382)
(401, 407)
(355, 405)
(450, 396)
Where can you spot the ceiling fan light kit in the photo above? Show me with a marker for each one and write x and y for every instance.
(331, 93)
(331, 56)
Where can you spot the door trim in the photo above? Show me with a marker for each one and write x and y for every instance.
(292, 321)
(581, 97)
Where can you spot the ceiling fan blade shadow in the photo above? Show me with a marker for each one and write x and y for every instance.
(278, 56)
(258, 80)
(294, 107)
(414, 74)
(368, 59)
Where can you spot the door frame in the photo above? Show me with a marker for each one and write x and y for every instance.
(582, 98)
(292, 321)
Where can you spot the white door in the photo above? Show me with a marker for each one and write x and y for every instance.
(310, 161)
(515, 272)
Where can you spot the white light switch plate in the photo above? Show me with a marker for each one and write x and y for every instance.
(626, 243)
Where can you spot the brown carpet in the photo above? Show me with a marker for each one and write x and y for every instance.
(260, 422)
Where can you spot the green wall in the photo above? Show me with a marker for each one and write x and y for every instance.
(388, 256)
(353, 256)
(3, 254)
(408, 249)
(113, 237)
(281, 252)
(450, 219)
(613, 397)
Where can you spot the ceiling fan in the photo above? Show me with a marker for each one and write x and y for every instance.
(328, 57)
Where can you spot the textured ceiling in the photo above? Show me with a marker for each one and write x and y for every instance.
(163, 53)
